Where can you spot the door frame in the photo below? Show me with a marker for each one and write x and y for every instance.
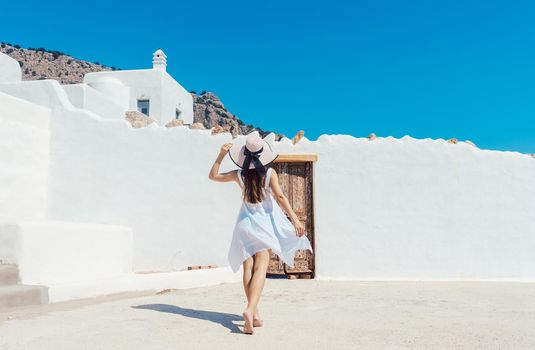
(296, 157)
(304, 158)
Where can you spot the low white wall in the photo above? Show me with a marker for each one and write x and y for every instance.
(85, 97)
(49, 252)
(24, 158)
(47, 93)
(141, 282)
(384, 209)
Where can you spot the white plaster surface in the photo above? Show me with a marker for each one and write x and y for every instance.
(10, 69)
(421, 209)
(85, 97)
(53, 252)
(47, 93)
(114, 89)
(24, 158)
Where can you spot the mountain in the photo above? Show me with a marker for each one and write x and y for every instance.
(40, 63)
(210, 111)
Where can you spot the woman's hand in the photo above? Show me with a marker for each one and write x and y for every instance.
(299, 228)
(225, 148)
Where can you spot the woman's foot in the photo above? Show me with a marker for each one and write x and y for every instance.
(248, 326)
(257, 322)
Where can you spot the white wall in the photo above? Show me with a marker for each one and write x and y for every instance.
(85, 97)
(152, 179)
(175, 96)
(164, 93)
(114, 89)
(47, 93)
(421, 209)
(386, 209)
(10, 71)
(24, 158)
(53, 252)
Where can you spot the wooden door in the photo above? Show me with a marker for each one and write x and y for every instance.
(295, 179)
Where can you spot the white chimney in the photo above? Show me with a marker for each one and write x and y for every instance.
(159, 60)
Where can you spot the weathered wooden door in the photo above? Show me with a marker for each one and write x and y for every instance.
(295, 178)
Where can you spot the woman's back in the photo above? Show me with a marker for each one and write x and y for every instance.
(264, 183)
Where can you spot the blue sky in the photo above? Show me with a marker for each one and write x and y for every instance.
(438, 69)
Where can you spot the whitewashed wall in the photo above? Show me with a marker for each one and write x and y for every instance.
(24, 158)
(85, 97)
(114, 89)
(10, 71)
(421, 209)
(385, 209)
(154, 180)
(175, 96)
(52, 252)
(47, 93)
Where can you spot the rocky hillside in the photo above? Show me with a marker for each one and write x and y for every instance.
(39, 63)
(210, 111)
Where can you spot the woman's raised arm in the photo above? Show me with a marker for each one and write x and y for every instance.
(214, 171)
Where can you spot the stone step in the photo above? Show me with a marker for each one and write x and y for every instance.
(9, 274)
(22, 295)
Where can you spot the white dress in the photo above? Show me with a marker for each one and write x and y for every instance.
(262, 226)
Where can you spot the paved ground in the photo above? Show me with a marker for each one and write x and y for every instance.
(297, 314)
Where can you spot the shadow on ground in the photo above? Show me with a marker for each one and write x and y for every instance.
(224, 319)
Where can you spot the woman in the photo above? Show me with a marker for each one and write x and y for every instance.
(261, 227)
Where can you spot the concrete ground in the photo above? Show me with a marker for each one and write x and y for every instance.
(297, 314)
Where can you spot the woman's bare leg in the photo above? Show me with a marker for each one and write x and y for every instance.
(247, 275)
(256, 285)
(257, 322)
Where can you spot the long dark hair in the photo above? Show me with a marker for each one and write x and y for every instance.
(253, 183)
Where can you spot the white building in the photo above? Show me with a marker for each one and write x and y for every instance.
(150, 91)
(109, 94)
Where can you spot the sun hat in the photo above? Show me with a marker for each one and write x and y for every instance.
(252, 152)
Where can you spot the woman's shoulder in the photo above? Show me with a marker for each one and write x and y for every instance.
(269, 175)
(272, 172)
